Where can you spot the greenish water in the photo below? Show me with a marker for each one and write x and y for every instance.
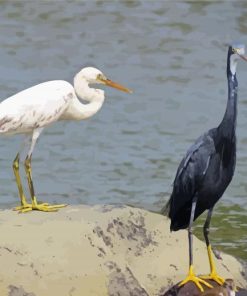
(172, 54)
(228, 230)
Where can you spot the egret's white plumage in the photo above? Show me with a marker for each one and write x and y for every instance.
(37, 106)
(31, 110)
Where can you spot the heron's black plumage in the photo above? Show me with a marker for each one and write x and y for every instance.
(208, 167)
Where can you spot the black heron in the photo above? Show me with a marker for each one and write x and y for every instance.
(205, 172)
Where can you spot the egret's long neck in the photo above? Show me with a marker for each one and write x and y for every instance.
(83, 90)
(77, 110)
(228, 124)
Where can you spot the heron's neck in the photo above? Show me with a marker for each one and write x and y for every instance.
(228, 124)
(95, 98)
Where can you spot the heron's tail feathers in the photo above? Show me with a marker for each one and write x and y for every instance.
(166, 209)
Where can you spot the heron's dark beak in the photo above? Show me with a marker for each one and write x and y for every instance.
(116, 85)
(243, 57)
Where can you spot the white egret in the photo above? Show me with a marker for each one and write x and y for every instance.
(31, 110)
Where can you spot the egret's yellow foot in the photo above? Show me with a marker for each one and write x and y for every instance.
(45, 207)
(213, 274)
(23, 205)
(196, 280)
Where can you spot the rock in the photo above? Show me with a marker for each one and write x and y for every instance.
(190, 289)
(242, 292)
(97, 250)
(228, 289)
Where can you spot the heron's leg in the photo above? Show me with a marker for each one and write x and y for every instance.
(191, 275)
(213, 274)
(18, 182)
(28, 168)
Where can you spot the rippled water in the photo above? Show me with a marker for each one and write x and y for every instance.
(172, 54)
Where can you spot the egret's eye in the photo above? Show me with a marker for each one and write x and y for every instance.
(101, 77)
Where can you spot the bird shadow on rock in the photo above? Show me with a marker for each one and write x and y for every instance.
(190, 289)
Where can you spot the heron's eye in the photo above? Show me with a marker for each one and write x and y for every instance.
(235, 50)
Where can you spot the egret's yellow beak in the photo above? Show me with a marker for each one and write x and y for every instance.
(117, 86)
(113, 84)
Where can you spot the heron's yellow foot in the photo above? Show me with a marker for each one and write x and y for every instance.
(196, 280)
(213, 274)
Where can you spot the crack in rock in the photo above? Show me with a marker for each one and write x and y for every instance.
(123, 282)
(18, 291)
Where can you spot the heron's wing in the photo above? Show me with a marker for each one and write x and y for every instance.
(190, 173)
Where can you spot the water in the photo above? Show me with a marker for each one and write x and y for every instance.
(172, 54)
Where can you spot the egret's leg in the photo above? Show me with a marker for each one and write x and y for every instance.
(213, 274)
(28, 168)
(191, 275)
(18, 182)
(16, 161)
